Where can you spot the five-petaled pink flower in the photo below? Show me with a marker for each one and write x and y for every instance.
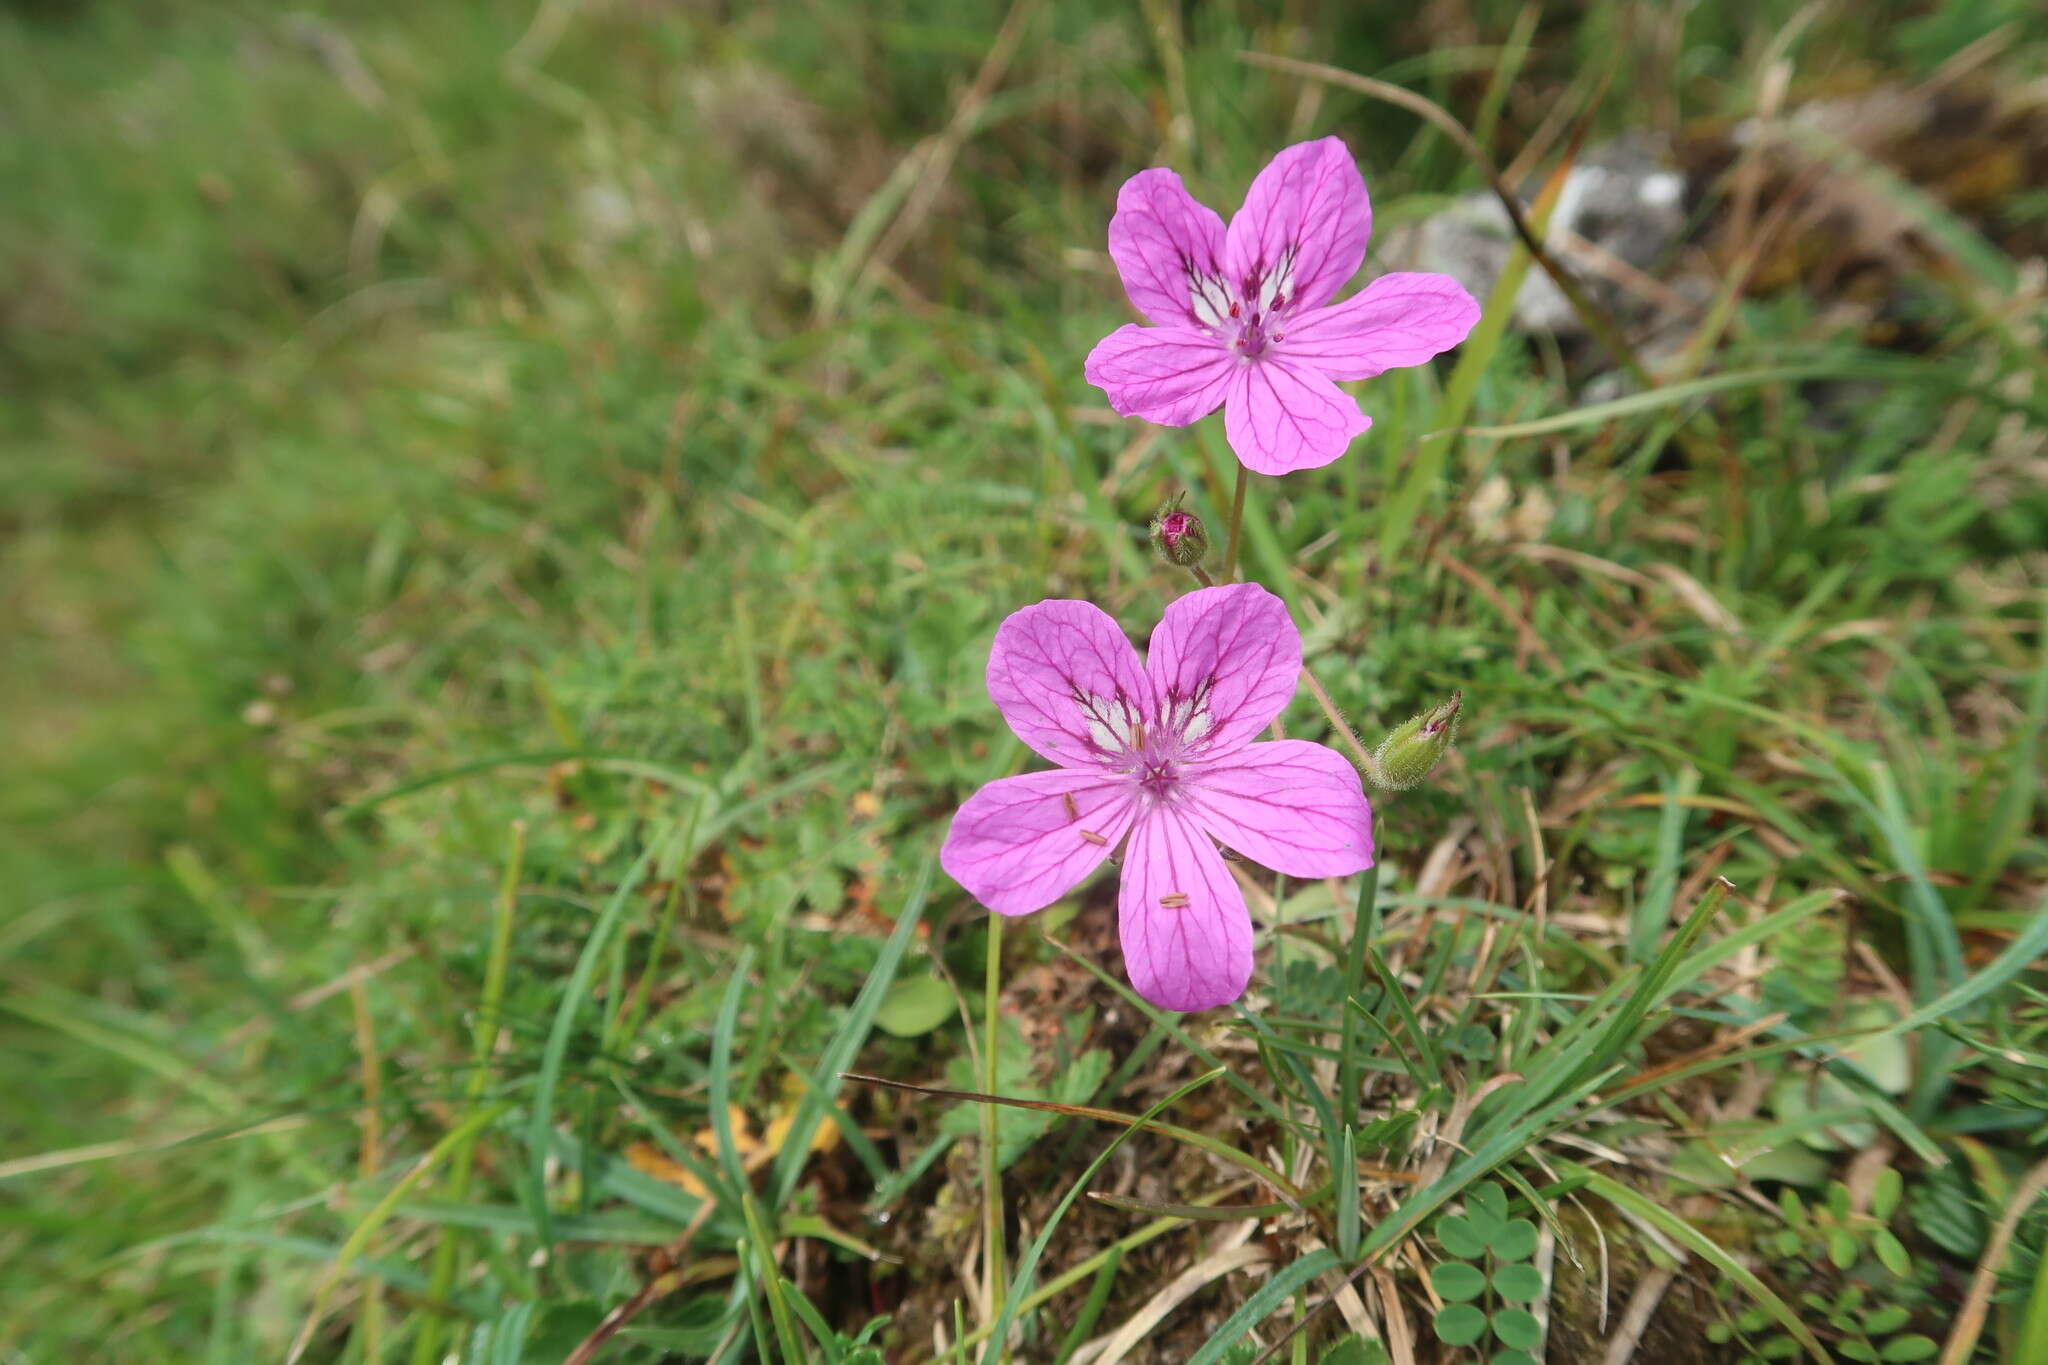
(1242, 321)
(1161, 752)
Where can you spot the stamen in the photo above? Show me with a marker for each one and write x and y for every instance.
(1092, 837)
(1067, 800)
(1137, 734)
(1178, 900)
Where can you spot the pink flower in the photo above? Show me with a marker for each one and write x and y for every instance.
(1240, 310)
(1161, 752)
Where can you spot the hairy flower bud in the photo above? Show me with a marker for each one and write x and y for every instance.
(1179, 536)
(1412, 749)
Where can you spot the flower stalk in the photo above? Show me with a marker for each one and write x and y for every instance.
(992, 1166)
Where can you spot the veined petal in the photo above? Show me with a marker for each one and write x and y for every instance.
(1397, 320)
(1281, 417)
(1160, 238)
(1224, 661)
(1169, 375)
(1068, 682)
(1305, 222)
(1293, 806)
(1187, 937)
(1021, 843)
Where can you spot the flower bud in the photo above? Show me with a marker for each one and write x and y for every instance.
(1412, 749)
(1179, 536)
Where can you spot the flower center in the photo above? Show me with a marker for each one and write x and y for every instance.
(1158, 777)
(1245, 312)
(1153, 755)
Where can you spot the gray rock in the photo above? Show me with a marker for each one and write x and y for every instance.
(1624, 198)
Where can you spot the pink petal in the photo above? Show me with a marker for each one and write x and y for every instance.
(1396, 320)
(1169, 375)
(1186, 934)
(1281, 417)
(1290, 805)
(1160, 235)
(1067, 681)
(1021, 843)
(1224, 662)
(1311, 201)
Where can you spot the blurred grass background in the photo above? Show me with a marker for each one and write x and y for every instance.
(634, 416)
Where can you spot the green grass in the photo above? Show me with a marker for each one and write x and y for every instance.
(425, 469)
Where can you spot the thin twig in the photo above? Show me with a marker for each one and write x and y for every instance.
(1642, 1306)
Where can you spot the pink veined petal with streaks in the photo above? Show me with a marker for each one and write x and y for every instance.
(1158, 235)
(1067, 680)
(1293, 806)
(1306, 214)
(1223, 663)
(1187, 937)
(1020, 843)
(1397, 320)
(1169, 375)
(1281, 418)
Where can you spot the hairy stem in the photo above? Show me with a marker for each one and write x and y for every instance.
(1359, 753)
(992, 1172)
(1236, 525)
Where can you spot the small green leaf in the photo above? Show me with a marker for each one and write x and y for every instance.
(1515, 1241)
(1792, 1207)
(1720, 1333)
(1752, 1320)
(1517, 1327)
(1886, 1321)
(1459, 1324)
(1780, 1348)
(1856, 1350)
(1488, 1198)
(1891, 1253)
(914, 1006)
(1454, 1232)
(1458, 1281)
(1518, 1283)
(1515, 1358)
(1884, 1198)
(1915, 1347)
(1841, 1249)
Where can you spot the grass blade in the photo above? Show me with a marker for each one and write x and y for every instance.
(1261, 1305)
(557, 1050)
